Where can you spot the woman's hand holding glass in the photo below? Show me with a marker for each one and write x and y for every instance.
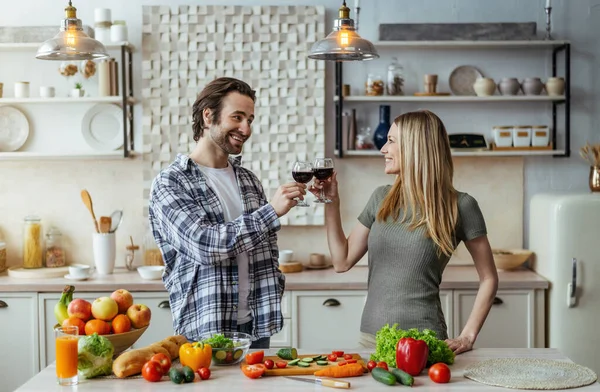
(328, 188)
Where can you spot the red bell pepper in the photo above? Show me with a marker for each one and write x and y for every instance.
(411, 355)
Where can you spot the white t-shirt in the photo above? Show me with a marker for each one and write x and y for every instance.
(225, 185)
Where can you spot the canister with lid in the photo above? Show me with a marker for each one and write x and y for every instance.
(55, 251)
(2, 256)
(522, 136)
(540, 136)
(33, 256)
(503, 136)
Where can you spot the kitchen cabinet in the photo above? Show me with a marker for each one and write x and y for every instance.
(511, 322)
(283, 338)
(548, 48)
(327, 319)
(446, 300)
(19, 340)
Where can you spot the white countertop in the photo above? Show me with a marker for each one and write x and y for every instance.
(455, 277)
(231, 378)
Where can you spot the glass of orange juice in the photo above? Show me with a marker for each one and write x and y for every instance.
(66, 339)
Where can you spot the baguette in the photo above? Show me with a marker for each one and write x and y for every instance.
(131, 362)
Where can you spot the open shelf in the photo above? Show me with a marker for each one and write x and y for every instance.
(93, 155)
(524, 44)
(28, 46)
(453, 98)
(115, 99)
(486, 153)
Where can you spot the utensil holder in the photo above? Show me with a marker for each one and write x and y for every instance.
(104, 248)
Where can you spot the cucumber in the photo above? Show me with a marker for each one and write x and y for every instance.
(303, 364)
(294, 362)
(383, 376)
(287, 353)
(403, 377)
(322, 363)
(307, 359)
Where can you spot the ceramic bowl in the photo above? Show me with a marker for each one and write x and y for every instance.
(507, 259)
(122, 341)
(233, 353)
(151, 272)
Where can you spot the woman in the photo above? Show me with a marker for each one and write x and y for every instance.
(410, 229)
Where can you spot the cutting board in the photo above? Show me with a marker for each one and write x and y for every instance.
(37, 273)
(296, 370)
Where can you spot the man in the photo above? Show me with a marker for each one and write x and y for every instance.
(214, 227)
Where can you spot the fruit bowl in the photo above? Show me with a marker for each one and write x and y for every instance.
(231, 353)
(507, 259)
(122, 341)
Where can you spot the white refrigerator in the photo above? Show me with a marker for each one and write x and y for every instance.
(564, 233)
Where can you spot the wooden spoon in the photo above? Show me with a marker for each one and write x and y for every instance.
(87, 200)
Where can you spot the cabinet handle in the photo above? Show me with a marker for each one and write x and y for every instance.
(164, 305)
(497, 301)
(331, 302)
(3, 304)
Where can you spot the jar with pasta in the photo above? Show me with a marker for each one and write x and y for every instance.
(33, 256)
(55, 251)
(152, 255)
(2, 256)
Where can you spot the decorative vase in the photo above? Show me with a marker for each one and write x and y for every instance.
(595, 178)
(532, 86)
(555, 86)
(509, 86)
(381, 132)
(484, 87)
(77, 92)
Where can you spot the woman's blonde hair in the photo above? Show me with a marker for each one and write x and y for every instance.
(423, 187)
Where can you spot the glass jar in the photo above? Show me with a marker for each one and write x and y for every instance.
(152, 255)
(374, 85)
(364, 139)
(395, 78)
(2, 256)
(33, 256)
(55, 251)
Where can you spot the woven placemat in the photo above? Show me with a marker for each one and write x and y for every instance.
(530, 373)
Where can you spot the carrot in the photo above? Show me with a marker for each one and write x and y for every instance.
(349, 370)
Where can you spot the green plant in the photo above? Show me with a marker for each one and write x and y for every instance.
(78, 86)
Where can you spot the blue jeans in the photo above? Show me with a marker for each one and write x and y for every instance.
(260, 343)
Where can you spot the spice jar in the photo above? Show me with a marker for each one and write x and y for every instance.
(2, 256)
(152, 255)
(374, 85)
(395, 78)
(33, 256)
(55, 252)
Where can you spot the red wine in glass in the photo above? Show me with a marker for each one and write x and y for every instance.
(323, 169)
(302, 172)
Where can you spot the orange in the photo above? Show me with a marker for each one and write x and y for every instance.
(99, 326)
(121, 324)
(75, 322)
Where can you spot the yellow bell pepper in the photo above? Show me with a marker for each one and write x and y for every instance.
(195, 355)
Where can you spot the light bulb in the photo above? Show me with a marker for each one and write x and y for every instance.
(71, 38)
(344, 38)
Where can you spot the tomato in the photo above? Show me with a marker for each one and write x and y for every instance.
(281, 364)
(382, 365)
(347, 356)
(371, 365)
(439, 373)
(164, 360)
(255, 357)
(254, 371)
(152, 371)
(342, 363)
(351, 360)
(269, 364)
(204, 373)
(332, 357)
(338, 353)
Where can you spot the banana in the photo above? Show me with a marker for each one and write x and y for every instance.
(60, 309)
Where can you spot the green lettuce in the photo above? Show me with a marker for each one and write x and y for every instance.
(95, 356)
(387, 338)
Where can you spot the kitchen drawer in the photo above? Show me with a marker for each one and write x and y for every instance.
(510, 323)
(19, 340)
(283, 338)
(327, 319)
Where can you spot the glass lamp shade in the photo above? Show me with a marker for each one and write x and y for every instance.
(71, 43)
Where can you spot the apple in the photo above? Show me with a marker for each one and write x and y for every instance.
(123, 298)
(80, 308)
(139, 315)
(104, 308)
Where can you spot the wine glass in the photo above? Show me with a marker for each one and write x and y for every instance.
(302, 172)
(322, 170)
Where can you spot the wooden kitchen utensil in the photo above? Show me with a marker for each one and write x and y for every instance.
(288, 268)
(304, 371)
(105, 223)
(87, 200)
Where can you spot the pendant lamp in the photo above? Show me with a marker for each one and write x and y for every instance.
(71, 43)
(343, 43)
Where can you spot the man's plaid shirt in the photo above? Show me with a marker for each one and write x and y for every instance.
(199, 250)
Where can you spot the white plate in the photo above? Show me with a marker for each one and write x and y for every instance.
(102, 127)
(462, 79)
(14, 128)
(68, 276)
